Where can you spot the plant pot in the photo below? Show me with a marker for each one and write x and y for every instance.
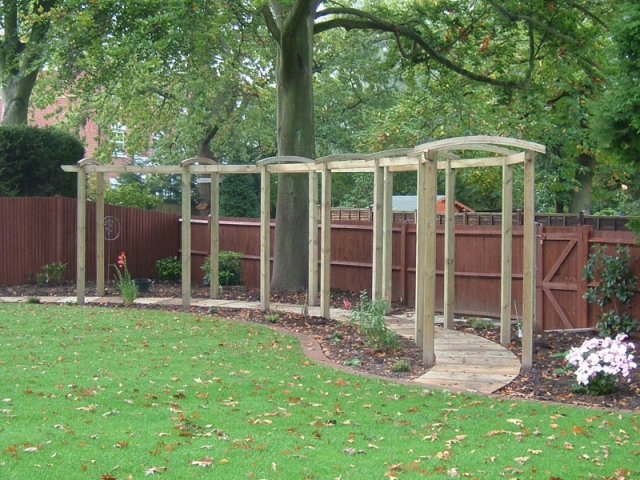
(143, 284)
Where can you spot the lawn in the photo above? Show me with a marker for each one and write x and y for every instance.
(117, 393)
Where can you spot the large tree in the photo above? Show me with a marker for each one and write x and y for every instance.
(477, 41)
(24, 44)
(618, 125)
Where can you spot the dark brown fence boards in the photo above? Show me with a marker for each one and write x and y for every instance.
(38, 231)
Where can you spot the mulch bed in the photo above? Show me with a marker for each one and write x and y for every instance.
(344, 345)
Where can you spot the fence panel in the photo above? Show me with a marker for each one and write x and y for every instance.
(41, 230)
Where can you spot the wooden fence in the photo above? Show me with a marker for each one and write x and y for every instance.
(38, 231)
(493, 218)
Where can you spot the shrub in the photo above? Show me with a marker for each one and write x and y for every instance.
(369, 316)
(229, 268)
(614, 290)
(30, 160)
(169, 268)
(400, 366)
(52, 274)
(599, 361)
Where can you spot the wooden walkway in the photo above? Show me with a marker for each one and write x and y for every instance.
(464, 362)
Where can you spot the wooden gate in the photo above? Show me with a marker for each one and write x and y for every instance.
(561, 255)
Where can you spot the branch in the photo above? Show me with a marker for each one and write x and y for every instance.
(532, 20)
(272, 26)
(299, 10)
(371, 22)
(588, 13)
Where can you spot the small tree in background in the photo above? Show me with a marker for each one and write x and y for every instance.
(30, 160)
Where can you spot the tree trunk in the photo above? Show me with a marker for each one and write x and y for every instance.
(581, 198)
(16, 94)
(296, 136)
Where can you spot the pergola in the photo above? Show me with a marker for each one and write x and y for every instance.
(426, 158)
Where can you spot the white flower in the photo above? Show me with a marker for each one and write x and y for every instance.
(605, 356)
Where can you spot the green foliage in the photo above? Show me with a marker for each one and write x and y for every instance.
(127, 286)
(240, 196)
(132, 195)
(169, 268)
(618, 119)
(273, 317)
(400, 366)
(30, 160)
(229, 268)
(614, 290)
(52, 274)
(369, 317)
(483, 323)
(353, 362)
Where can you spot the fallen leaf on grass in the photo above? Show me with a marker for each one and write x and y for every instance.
(522, 460)
(90, 408)
(153, 470)
(352, 451)
(203, 462)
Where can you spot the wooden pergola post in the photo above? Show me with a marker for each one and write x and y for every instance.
(378, 234)
(528, 262)
(325, 258)
(214, 236)
(507, 253)
(449, 246)
(312, 293)
(186, 234)
(100, 276)
(387, 238)
(265, 238)
(430, 201)
(421, 265)
(81, 233)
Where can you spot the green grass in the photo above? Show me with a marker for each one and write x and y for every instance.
(112, 393)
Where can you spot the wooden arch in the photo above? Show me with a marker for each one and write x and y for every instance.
(426, 159)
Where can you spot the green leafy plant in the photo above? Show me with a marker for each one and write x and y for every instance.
(400, 366)
(614, 289)
(353, 362)
(229, 268)
(484, 323)
(273, 317)
(369, 317)
(33, 300)
(169, 268)
(52, 274)
(126, 285)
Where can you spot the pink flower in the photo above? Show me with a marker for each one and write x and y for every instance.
(347, 304)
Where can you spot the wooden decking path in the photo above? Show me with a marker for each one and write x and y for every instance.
(464, 362)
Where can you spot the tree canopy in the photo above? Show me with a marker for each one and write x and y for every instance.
(237, 81)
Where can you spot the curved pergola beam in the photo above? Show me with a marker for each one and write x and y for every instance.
(459, 143)
(483, 147)
(341, 157)
(197, 160)
(284, 159)
(88, 161)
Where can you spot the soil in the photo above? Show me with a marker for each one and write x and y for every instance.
(344, 346)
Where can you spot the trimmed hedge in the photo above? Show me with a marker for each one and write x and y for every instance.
(30, 160)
